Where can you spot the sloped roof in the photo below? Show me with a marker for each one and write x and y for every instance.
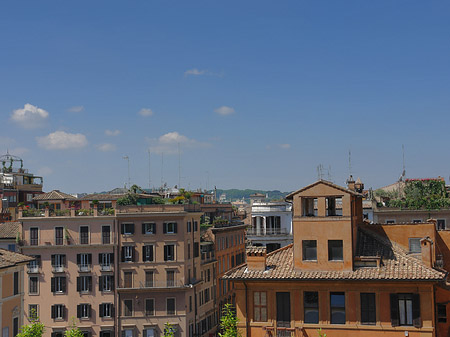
(9, 230)
(11, 259)
(396, 265)
(103, 196)
(326, 182)
(54, 195)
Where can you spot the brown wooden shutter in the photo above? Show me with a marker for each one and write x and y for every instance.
(395, 321)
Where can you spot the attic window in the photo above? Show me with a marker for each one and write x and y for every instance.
(414, 245)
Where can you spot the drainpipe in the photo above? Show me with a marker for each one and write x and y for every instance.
(116, 251)
(246, 310)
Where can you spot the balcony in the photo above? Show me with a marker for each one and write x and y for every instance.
(267, 231)
(84, 268)
(33, 269)
(106, 267)
(58, 269)
(158, 285)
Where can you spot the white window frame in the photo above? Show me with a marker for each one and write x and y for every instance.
(107, 310)
(59, 265)
(38, 235)
(105, 262)
(84, 262)
(59, 311)
(58, 284)
(172, 225)
(29, 284)
(174, 252)
(84, 311)
(128, 253)
(107, 283)
(84, 284)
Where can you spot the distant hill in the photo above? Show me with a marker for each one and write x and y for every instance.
(235, 194)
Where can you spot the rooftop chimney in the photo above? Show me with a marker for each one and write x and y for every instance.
(256, 258)
(351, 183)
(426, 248)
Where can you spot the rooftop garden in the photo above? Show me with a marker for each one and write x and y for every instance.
(429, 194)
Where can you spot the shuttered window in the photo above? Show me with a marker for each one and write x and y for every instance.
(368, 308)
(260, 306)
(405, 310)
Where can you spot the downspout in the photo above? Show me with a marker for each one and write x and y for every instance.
(116, 251)
(246, 311)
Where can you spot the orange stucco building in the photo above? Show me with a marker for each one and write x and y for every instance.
(343, 275)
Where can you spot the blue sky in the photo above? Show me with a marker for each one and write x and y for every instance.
(257, 93)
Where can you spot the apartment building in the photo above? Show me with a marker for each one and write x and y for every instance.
(11, 286)
(343, 275)
(160, 277)
(73, 275)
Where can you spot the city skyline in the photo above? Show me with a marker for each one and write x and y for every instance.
(254, 95)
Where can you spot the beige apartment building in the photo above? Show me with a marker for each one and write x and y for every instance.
(72, 278)
(11, 290)
(161, 279)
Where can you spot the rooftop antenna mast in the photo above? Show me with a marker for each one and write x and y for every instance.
(129, 179)
(329, 173)
(349, 162)
(179, 166)
(149, 172)
(403, 158)
(320, 172)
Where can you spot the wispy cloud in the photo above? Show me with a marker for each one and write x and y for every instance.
(168, 143)
(61, 140)
(112, 133)
(200, 72)
(77, 108)
(106, 147)
(145, 112)
(30, 117)
(224, 110)
(284, 146)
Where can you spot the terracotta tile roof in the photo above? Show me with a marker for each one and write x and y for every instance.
(395, 265)
(326, 182)
(252, 250)
(54, 195)
(10, 259)
(9, 230)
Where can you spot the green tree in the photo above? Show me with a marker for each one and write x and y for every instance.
(34, 329)
(228, 322)
(74, 331)
(169, 330)
(320, 333)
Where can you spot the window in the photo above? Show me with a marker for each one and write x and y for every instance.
(33, 266)
(34, 236)
(105, 260)
(59, 235)
(149, 278)
(15, 326)
(196, 249)
(189, 251)
(440, 224)
(127, 333)
(170, 278)
(106, 283)
(405, 309)
(260, 306)
(128, 307)
(308, 206)
(417, 221)
(84, 284)
(283, 309)
(84, 235)
(170, 306)
(311, 306)
(337, 306)
(414, 245)
(442, 313)
(189, 227)
(106, 310)
(195, 226)
(368, 308)
(12, 247)
(149, 307)
(127, 253)
(58, 284)
(58, 262)
(147, 253)
(16, 283)
(169, 252)
(58, 311)
(128, 228)
(106, 235)
(106, 333)
(33, 285)
(150, 332)
(84, 311)
(335, 250)
(309, 250)
(169, 227)
(149, 228)
(84, 262)
(128, 279)
(29, 197)
(33, 311)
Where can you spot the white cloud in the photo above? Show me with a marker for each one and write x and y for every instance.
(168, 143)
(145, 112)
(61, 140)
(112, 133)
(30, 116)
(44, 171)
(285, 146)
(77, 108)
(106, 147)
(200, 72)
(224, 110)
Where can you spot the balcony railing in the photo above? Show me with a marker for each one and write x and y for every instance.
(33, 269)
(84, 268)
(267, 231)
(159, 284)
(58, 269)
(105, 267)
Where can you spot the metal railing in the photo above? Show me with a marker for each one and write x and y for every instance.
(106, 267)
(157, 284)
(267, 231)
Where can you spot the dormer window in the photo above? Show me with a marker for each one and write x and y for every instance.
(309, 205)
